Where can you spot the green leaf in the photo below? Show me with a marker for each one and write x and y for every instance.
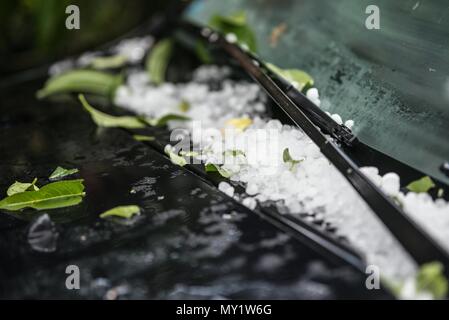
(105, 120)
(162, 121)
(422, 185)
(158, 60)
(184, 106)
(176, 159)
(53, 195)
(431, 278)
(299, 78)
(236, 19)
(61, 172)
(19, 187)
(210, 167)
(235, 24)
(189, 153)
(111, 62)
(233, 153)
(84, 81)
(139, 137)
(289, 160)
(122, 212)
(203, 53)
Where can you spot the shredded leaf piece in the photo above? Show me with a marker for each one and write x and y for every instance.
(19, 187)
(109, 62)
(240, 123)
(235, 24)
(162, 121)
(139, 137)
(158, 59)
(61, 172)
(431, 278)
(105, 120)
(184, 106)
(289, 160)
(233, 153)
(84, 81)
(126, 212)
(176, 159)
(210, 167)
(51, 196)
(422, 185)
(298, 78)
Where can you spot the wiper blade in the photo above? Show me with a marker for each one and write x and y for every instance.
(339, 132)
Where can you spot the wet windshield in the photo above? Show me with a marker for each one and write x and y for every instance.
(393, 81)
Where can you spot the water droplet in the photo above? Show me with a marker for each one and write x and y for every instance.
(42, 235)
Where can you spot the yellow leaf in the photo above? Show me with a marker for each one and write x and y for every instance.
(239, 123)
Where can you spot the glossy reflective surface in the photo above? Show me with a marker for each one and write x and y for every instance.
(191, 241)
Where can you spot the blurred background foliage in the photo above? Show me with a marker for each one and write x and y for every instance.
(33, 32)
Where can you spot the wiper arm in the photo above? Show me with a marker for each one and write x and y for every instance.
(329, 126)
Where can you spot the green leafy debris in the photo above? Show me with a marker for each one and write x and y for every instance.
(235, 24)
(289, 160)
(158, 59)
(126, 212)
(233, 153)
(105, 120)
(203, 53)
(110, 62)
(176, 159)
(210, 167)
(300, 79)
(162, 121)
(422, 185)
(139, 137)
(430, 278)
(84, 81)
(236, 19)
(61, 172)
(189, 153)
(19, 187)
(51, 196)
(184, 106)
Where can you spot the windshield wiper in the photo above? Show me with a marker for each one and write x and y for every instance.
(421, 246)
(339, 132)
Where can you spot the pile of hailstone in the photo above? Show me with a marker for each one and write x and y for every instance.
(308, 186)
(133, 50)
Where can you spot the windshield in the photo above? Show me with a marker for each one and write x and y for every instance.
(393, 81)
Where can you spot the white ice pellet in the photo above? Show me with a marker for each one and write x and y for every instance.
(249, 202)
(251, 189)
(349, 124)
(373, 174)
(133, 49)
(391, 184)
(226, 188)
(312, 93)
(337, 118)
(231, 38)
